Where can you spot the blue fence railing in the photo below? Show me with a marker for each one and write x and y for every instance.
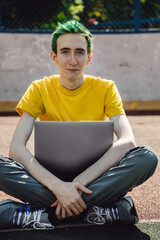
(136, 26)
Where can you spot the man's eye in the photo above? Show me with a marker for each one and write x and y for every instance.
(80, 52)
(64, 52)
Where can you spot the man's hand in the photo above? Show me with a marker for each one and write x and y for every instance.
(69, 202)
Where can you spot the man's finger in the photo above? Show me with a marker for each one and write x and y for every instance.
(54, 204)
(63, 213)
(69, 213)
(75, 210)
(79, 208)
(82, 204)
(58, 211)
(84, 189)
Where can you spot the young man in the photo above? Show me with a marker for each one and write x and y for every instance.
(97, 194)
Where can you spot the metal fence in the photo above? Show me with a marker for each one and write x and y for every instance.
(101, 16)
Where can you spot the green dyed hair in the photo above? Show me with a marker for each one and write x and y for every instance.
(72, 26)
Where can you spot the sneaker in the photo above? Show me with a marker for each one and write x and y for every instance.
(122, 211)
(14, 214)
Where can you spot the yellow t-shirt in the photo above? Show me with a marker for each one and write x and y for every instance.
(95, 99)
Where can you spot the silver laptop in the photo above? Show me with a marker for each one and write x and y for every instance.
(67, 148)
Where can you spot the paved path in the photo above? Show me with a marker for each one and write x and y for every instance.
(147, 132)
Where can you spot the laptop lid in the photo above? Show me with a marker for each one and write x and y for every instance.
(67, 148)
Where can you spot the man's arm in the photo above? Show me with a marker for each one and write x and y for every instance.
(66, 192)
(20, 153)
(125, 142)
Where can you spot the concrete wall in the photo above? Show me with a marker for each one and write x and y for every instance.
(131, 60)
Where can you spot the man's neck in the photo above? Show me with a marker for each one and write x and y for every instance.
(71, 85)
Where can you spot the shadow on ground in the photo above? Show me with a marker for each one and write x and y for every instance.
(143, 231)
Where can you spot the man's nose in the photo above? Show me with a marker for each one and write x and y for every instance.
(73, 60)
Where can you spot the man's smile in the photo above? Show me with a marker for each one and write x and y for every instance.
(72, 70)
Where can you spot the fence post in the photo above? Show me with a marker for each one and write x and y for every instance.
(0, 17)
(67, 10)
(137, 15)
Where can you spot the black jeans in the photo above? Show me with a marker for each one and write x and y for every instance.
(133, 169)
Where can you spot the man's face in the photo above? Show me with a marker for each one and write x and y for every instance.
(72, 56)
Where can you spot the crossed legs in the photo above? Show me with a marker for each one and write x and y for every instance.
(133, 169)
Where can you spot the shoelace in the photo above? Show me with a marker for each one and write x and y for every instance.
(102, 215)
(26, 219)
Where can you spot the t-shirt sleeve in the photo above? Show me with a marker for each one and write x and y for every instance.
(31, 102)
(113, 101)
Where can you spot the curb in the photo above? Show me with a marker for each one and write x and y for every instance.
(137, 105)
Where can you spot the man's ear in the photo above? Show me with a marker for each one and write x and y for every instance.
(54, 57)
(90, 55)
